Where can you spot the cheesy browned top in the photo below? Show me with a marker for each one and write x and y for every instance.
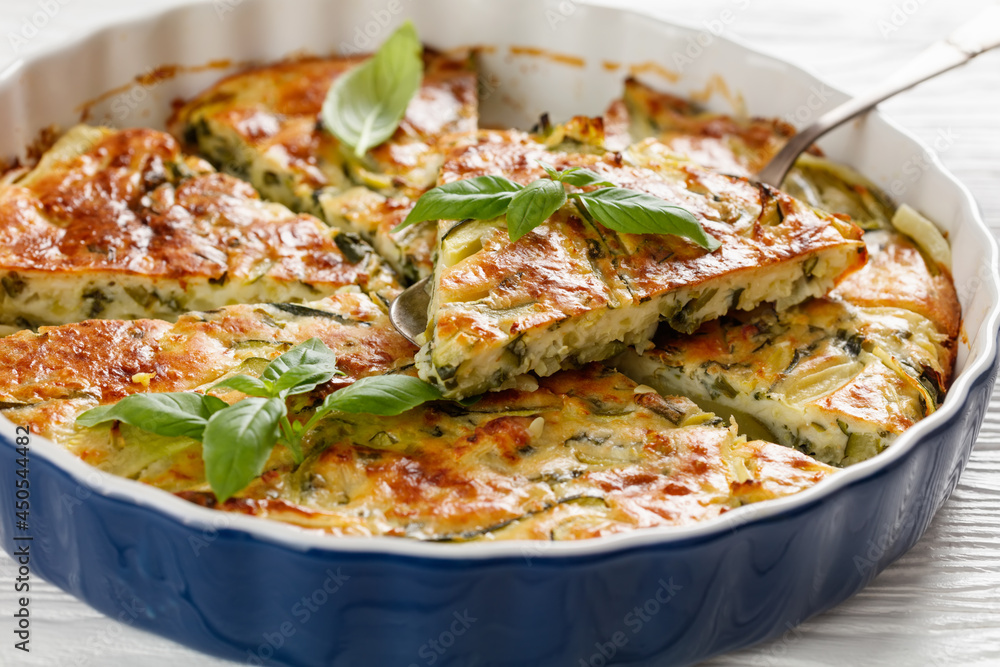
(737, 146)
(49, 378)
(131, 203)
(757, 225)
(583, 455)
(582, 451)
(489, 297)
(263, 125)
(275, 108)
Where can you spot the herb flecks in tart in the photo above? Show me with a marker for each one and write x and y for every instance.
(573, 290)
(550, 250)
(265, 125)
(121, 224)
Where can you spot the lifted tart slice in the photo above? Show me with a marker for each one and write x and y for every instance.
(571, 291)
(121, 224)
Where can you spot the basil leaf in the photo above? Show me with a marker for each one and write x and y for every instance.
(313, 353)
(553, 173)
(171, 414)
(301, 379)
(365, 105)
(634, 212)
(250, 386)
(533, 205)
(581, 178)
(383, 395)
(238, 441)
(213, 404)
(479, 198)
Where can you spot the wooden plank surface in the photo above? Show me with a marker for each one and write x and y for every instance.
(938, 605)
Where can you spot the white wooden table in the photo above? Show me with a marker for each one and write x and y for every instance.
(938, 605)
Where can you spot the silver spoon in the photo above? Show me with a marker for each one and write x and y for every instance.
(973, 38)
(408, 311)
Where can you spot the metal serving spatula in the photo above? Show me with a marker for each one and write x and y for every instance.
(408, 311)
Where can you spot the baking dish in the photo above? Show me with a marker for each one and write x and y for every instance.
(257, 591)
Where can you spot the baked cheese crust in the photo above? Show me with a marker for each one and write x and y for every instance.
(571, 292)
(585, 454)
(836, 381)
(121, 224)
(740, 147)
(838, 378)
(263, 125)
(49, 378)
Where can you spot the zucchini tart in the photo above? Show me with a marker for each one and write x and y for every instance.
(578, 381)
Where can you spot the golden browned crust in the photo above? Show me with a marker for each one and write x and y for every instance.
(740, 147)
(105, 360)
(897, 276)
(275, 109)
(582, 456)
(264, 125)
(757, 225)
(120, 208)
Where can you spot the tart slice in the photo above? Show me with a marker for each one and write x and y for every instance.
(121, 224)
(264, 125)
(49, 378)
(584, 454)
(581, 454)
(835, 381)
(736, 146)
(573, 291)
(837, 378)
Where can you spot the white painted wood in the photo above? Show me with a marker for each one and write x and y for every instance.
(940, 604)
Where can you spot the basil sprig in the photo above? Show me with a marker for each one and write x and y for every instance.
(365, 105)
(238, 439)
(526, 207)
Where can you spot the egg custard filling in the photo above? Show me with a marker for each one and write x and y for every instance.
(581, 374)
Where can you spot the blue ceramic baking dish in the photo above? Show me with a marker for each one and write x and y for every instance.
(267, 593)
